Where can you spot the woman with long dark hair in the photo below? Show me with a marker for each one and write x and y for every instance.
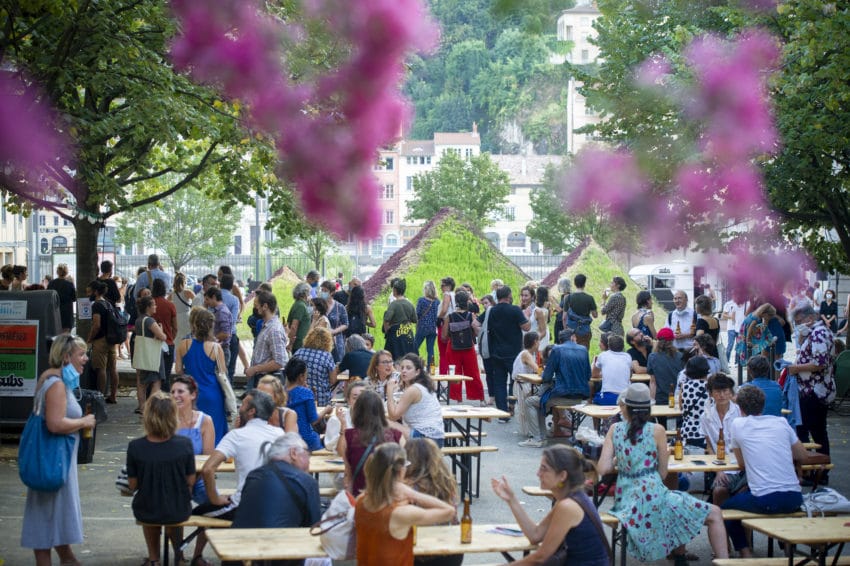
(418, 406)
(360, 314)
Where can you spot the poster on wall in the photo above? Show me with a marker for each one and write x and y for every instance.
(18, 357)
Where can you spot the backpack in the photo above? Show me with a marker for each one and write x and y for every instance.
(130, 302)
(116, 325)
(460, 331)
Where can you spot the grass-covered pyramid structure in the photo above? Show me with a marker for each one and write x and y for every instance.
(283, 281)
(445, 246)
(589, 258)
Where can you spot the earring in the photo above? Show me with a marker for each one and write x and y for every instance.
(560, 484)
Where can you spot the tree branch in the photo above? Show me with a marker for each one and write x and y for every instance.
(202, 164)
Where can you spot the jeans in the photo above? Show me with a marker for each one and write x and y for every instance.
(488, 374)
(771, 504)
(731, 335)
(501, 370)
(429, 345)
(234, 354)
(438, 441)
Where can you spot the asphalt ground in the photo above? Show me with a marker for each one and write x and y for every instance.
(113, 538)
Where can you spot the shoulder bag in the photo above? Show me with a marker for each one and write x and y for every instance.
(484, 344)
(147, 351)
(43, 457)
(226, 388)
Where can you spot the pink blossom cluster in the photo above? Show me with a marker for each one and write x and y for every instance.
(29, 143)
(328, 130)
(720, 186)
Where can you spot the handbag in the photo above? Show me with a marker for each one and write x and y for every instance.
(606, 325)
(484, 343)
(226, 390)
(147, 352)
(43, 457)
(122, 483)
(92, 401)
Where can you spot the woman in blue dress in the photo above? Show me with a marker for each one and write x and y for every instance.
(573, 522)
(657, 521)
(201, 356)
(194, 425)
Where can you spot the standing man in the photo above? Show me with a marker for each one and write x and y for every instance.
(209, 280)
(299, 316)
(813, 368)
(504, 338)
(112, 294)
(683, 322)
(269, 354)
(580, 311)
(734, 312)
(67, 296)
(312, 279)
(154, 271)
(226, 281)
(166, 317)
(102, 353)
(223, 326)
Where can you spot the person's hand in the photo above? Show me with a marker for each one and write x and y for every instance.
(391, 387)
(250, 371)
(236, 422)
(502, 489)
(89, 421)
(340, 414)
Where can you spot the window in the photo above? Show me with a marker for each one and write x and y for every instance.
(388, 164)
(493, 237)
(468, 152)
(585, 56)
(42, 220)
(377, 246)
(389, 216)
(56, 220)
(66, 222)
(428, 160)
(516, 240)
(44, 246)
(568, 33)
(237, 245)
(389, 191)
(60, 243)
(409, 185)
(392, 241)
(509, 213)
(410, 160)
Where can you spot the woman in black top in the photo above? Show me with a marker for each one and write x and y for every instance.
(161, 471)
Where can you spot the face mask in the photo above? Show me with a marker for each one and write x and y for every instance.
(324, 295)
(829, 296)
(310, 310)
(70, 376)
(804, 330)
(314, 284)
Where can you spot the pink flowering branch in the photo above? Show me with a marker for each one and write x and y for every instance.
(327, 131)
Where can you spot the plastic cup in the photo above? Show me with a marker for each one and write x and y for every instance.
(451, 369)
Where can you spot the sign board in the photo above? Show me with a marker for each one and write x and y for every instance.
(13, 310)
(18, 357)
(84, 308)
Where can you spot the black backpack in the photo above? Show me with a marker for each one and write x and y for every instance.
(460, 331)
(130, 302)
(116, 325)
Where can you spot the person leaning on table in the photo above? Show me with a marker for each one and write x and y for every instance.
(766, 447)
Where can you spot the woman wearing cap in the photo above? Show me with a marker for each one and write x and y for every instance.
(663, 366)
(657, 521)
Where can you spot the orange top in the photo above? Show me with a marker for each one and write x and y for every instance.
(375, 544)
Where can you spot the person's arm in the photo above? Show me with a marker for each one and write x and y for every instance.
(293, 331)
(529, 360)
(207, 436)
(370, 317)
(804, 457)
(424, 509)
(605, 465)
(341, 447)
(343, 320)
(533, 531)
(653, 386)
(157, 332)
(386, 323)
(332, 373)
(566, 514)
(444, 305)
(95, 326)
(396, 410)
(55, 405)
(739, 457)
(290, 422)
(660, 436)
(173, 322)
(179, 352)
(208, 473)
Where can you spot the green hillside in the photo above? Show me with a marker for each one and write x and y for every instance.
(283, 282)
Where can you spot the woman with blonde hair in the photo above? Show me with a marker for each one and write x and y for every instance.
(321, 368)
(201, 357)
(161, 471)
(284, 417)
(381, 371)
(182, 298)
(385, 513)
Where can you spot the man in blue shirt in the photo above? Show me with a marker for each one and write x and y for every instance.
(566, 381)
(230, 300)
(154, 271)
(758, 372)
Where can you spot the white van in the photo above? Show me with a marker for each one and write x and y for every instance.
(663, 279)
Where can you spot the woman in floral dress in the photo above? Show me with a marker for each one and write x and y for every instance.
(657, 521)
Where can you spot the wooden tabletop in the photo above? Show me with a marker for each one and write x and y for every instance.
(531, 378)
(451, 378)
(319, 464)
(297, 544)
(690, 463)
(804, 530)
(470, 412)
(603, 411)
(636, 378)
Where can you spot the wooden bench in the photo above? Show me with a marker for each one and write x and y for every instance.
(199, 522)
(323, 491)
(842, 561)
(461, 457)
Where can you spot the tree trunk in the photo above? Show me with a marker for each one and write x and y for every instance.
(87, 269)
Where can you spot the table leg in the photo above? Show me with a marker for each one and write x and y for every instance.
(838, 552)
(576, 418)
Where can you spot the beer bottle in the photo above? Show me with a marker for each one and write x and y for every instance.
(466, 523)
(678, 328)
(431, 369)
(671, 398)
(721, 446)
(678, 448)
(87, 431)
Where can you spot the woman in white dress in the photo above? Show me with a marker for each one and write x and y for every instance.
(182, 299)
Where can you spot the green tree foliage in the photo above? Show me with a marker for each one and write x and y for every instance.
(104, 67)
(186, 225)
(807, 180)
(476, 187)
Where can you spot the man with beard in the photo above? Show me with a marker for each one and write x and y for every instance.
(641, 347)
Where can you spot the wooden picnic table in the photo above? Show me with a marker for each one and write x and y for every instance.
(247, 545)
(584, 410)
(469, 421)
(319, 464)
(443, 382)
(820, 532)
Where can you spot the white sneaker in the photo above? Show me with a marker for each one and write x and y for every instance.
(531, 443)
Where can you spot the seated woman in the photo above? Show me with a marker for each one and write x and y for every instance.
(301, 400)
(616, 368)
(381, 371)
(370, 430)
(284, 417)
(765, 447)
(195, 425)
(573, 523)
(429, 474)
(418, 407)
(341, 416)
(161, 470)
(692, 399)
(669, 519)
(321, 368)
(385, 513)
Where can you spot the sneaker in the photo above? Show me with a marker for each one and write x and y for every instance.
(531, 443)
(504, 420)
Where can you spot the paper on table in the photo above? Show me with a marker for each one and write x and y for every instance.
(509, 530)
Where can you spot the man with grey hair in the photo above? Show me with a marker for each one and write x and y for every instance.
(682, 320)
(281, 493)
(299, 316)
(814, 370)
(357, 357)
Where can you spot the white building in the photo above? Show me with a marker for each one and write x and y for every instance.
(13, 237)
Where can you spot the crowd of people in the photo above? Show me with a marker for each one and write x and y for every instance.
(390, 413)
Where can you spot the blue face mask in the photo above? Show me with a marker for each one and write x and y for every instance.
(324, 295)
(70, 376)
